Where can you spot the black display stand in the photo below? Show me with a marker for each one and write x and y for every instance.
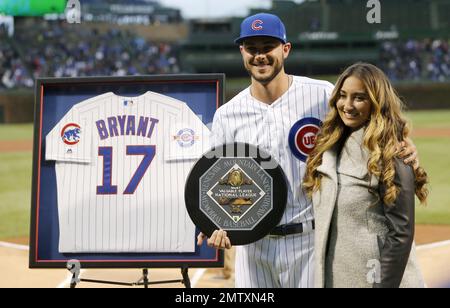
(143, 281)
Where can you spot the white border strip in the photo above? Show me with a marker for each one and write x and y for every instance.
(433, 245)
(14, 246)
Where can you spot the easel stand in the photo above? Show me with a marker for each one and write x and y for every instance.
(144, 281)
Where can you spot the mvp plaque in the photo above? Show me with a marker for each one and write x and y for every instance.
(238, 188)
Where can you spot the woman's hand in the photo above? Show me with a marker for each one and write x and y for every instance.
(408, 152)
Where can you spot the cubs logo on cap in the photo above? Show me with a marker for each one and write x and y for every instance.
(257, 24)
(302, 137)
(70, 134)
(262, 24)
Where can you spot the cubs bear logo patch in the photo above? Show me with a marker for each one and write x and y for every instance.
(302, 137)
(70, 134)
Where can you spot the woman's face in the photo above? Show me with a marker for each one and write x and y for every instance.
(353, 105)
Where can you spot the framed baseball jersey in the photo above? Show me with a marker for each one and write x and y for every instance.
(111, 157)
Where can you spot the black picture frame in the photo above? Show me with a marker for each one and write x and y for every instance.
(199, 259)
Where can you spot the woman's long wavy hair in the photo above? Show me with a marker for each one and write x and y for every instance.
(385, 129)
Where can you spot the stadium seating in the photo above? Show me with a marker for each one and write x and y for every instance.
(52, 49)
(416, 60)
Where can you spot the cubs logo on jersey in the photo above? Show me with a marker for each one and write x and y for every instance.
(70, 134)
(302, 137)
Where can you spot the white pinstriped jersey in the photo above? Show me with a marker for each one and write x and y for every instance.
(245, 119)
(121, 166)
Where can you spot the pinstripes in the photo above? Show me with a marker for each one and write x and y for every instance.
(274, 259)
(113, 235)
(83, 218)
(166, 196)
(120, 223)
(245, 123)
(92, 203)
(165, 191)
(277, 262)
(74, 214)
(133, 204)
(293, 170)
(269, 267)
(262, 263)
(158, 195)
(176, 217)
(136, 197)
(251, 271)
(107, 217)
(265, 268)
(100, 203)
(153, 186)
(278, 105)
(146, 183)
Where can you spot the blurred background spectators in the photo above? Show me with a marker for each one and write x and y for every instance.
(416, 60)
(118, 38)
(54, 49)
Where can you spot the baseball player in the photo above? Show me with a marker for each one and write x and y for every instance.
(281, 114)
(120, 163)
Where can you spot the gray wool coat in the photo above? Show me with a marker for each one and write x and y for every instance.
(351, 227)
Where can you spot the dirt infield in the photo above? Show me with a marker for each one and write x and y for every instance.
(431, 132)
(15, 272)
(433, 261)
(426, 234)
(16, 146)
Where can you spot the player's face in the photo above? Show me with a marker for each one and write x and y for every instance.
(354, 105)
(264, 57)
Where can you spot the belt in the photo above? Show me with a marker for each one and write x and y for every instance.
(285, 230)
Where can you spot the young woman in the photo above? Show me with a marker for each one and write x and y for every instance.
(362, 193)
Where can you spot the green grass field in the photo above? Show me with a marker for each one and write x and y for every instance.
(15, 194)
(435, 158)
(15, 175)
(16, 132)
(15, 183)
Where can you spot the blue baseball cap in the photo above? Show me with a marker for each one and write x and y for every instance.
(262, 24)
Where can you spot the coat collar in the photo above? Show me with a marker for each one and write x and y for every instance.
(328, 166)
(356, 154)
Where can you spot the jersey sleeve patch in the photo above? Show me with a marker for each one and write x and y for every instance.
(71, 134)
(187, 141)
(302, 137)
(69, 141)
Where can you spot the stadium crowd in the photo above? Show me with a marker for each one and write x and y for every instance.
(53, 50)
(416, 60)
